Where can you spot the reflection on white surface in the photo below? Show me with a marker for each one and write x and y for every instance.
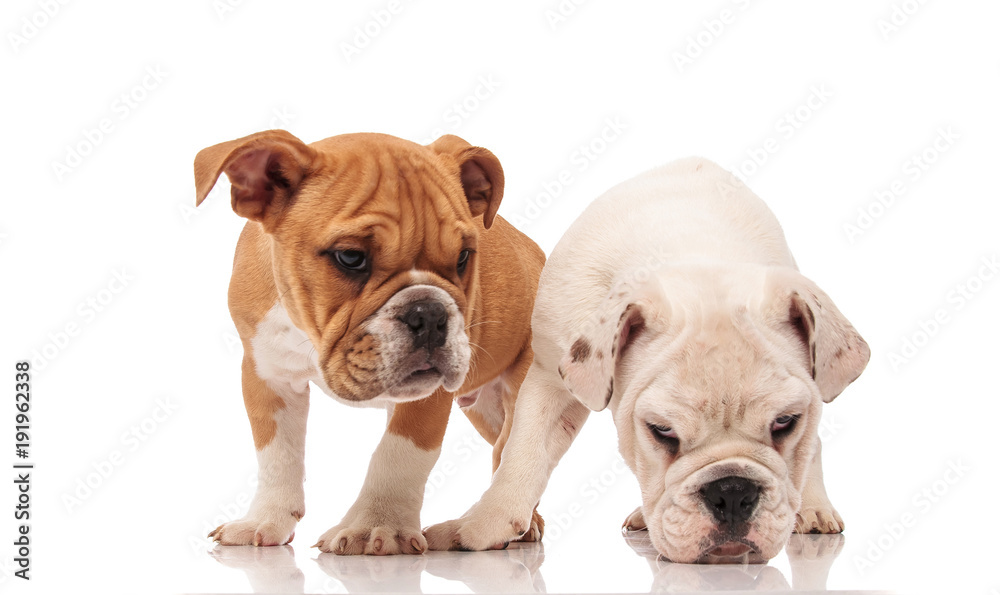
(518, 569)
(810, 558)
(269, 569)
(514, 570)
(273, 570)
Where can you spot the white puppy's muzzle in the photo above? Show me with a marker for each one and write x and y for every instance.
(729, 511)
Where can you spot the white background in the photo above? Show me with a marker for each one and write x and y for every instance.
(535, 90)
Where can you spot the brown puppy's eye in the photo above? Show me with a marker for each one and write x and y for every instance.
(463, 261)
(354, 261)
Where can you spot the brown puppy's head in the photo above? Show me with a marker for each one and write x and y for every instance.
(716, 376)
(373, 247)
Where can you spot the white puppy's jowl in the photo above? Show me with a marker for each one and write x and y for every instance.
(675, 301)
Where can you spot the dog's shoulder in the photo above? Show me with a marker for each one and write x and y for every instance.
(252, 292)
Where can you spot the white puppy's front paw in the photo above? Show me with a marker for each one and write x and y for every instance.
(818, 519)
(258, 529)
(810, 548)
(635, 521)
(479, 530)
(373, 536)
(535, 531)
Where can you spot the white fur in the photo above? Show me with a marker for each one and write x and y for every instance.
(701, 266)
(389, 503)
(284, 356)
(279, 501)
(396, 344)
(487, 401)
(388, 507)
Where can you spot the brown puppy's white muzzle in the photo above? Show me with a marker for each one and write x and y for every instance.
(423, 345)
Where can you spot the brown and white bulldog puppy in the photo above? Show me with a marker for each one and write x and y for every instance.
(377, 270)
(675, 301)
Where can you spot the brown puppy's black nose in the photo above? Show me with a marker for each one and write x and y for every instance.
(428, 321)
(731, 500)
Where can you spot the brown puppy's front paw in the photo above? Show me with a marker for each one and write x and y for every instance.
(380, 540)
(635, 521)
(822, 519)
(257, 530)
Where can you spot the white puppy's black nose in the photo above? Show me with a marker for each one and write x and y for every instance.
(428, 321)
(731, 500)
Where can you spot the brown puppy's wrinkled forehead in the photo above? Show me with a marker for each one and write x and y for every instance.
(390, 199)
(397, 195)
(353, 219)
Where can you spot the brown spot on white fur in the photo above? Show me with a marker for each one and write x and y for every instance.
(580, 350)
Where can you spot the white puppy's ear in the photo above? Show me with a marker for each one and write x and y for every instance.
(588, 368)
(835, 352)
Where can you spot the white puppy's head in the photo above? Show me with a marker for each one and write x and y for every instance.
(716, 375)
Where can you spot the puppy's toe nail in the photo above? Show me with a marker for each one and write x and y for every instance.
(290, 538)
(318, 544)
(377, 544)
(342, 546)
(416, 545)
(257, 538)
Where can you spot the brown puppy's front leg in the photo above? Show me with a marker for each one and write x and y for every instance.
(278, 422)
(385, 519)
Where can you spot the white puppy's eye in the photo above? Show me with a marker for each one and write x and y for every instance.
(783, 425)
(662, 431)
(666, 436)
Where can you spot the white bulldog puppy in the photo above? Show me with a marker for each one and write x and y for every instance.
(674, 300)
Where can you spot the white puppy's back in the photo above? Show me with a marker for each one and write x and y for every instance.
(688, 210)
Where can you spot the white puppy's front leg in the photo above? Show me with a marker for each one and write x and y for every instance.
(546, 420)
(385, 519)
(817, 515)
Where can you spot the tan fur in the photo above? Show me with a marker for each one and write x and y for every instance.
(512, 261)
(262, 405)
(423, 421)
(411, 210)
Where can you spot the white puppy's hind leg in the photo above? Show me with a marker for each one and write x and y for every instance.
(546, 420)
(817, 515)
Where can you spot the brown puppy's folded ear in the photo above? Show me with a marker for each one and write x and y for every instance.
(265, 169)
(480, 173)
(834, 352)
(588, 368)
